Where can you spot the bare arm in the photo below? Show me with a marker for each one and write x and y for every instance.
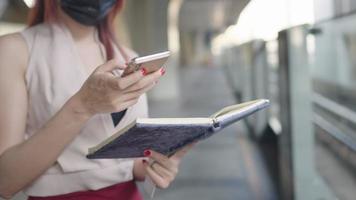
(22, 161)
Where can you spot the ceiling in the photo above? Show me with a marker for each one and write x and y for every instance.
(215, 15)
(195, 15)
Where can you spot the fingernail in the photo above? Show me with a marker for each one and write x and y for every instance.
(147, 153)
(163, 71)
(144, 162)
(144, 71)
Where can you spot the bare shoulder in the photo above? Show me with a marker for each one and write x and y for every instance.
(13, 52)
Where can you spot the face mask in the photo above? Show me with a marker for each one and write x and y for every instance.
(87, 12)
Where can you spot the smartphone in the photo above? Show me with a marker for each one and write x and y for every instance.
(151, 63)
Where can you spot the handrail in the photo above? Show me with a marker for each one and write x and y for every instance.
(334, 107)
(335, 132)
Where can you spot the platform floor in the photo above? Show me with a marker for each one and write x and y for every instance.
(226, 166)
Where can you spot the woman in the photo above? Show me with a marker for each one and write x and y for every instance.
(55, 103)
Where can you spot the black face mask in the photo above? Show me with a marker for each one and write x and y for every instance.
(87, 12)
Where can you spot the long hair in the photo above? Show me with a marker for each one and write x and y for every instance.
(47, 11)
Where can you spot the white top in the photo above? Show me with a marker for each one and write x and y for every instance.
(54, 74)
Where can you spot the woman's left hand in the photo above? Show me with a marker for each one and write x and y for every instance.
(164, 169)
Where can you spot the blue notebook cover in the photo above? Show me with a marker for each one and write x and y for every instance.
(167, 135)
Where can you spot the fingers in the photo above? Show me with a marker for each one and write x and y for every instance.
(125, 82)
(164, 169)
(148, 79)
(163, 172)
(162, 160)
(156, 178)
(137, 80)
(109, 66)
(124, 105)
(126, 100)
(137, 94)
(182, 152)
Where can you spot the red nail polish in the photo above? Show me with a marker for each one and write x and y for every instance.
(163, 71)
(144, 162)
(147, 153)
(144, 71)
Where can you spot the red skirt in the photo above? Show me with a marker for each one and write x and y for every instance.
(121, 191)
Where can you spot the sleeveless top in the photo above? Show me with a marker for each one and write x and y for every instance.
(54, 74)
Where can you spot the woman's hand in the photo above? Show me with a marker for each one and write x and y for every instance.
(164, 169)
(103, 92)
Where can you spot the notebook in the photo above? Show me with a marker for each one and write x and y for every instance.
(167, 135)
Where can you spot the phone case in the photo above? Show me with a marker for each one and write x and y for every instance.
(151, 63)
(132, 66)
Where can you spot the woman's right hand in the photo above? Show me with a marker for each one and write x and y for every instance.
(103, 92)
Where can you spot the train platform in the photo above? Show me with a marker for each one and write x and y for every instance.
(228, 165)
